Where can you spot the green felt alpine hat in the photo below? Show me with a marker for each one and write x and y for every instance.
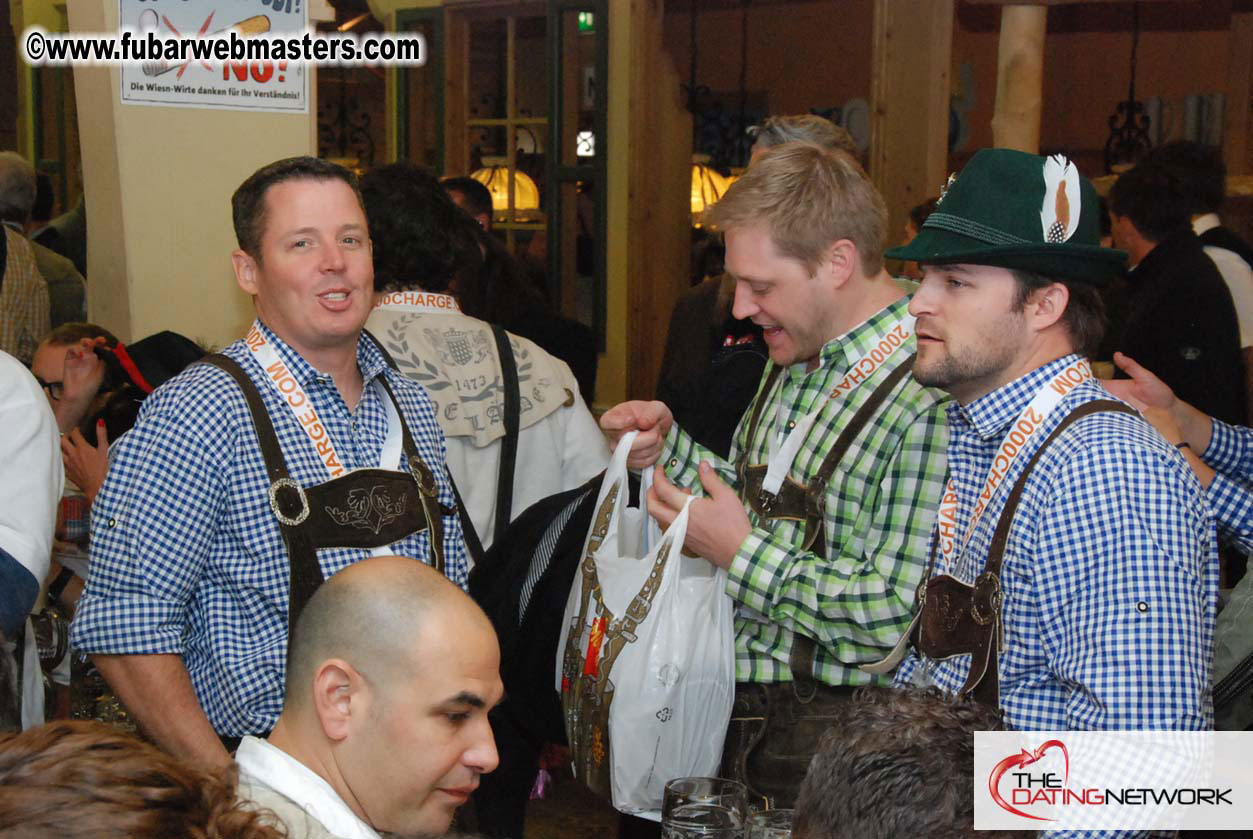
(1016, 210)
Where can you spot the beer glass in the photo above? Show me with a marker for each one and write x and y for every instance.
(769, 824)
(704, 808)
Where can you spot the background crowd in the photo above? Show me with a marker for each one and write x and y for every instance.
(222, 529)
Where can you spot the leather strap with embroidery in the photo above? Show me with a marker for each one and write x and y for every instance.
(376, 500)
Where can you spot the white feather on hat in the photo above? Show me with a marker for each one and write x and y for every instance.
(1059, 214)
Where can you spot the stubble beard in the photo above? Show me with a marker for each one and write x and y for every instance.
(971, 370)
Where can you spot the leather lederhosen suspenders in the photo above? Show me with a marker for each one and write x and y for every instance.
(956, 618)
(806, 502)
(364, 508)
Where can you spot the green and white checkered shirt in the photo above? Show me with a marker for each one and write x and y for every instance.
(857, 597)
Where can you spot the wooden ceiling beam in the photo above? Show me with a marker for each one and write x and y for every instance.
(1063, 2)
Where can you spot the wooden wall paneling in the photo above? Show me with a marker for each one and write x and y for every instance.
(1008, 3)
(1238, 133)
(910, 103)
(659, 203)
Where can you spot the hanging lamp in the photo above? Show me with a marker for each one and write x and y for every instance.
(495, 176)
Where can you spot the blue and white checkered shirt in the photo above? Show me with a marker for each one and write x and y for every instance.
(1110, 576)
(1230, 452)
(186, 555)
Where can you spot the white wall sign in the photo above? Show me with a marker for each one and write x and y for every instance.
(234, 85)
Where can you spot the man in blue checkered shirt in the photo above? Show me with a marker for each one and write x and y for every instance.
(186, 609)
(1221, 456)
(1108, 584)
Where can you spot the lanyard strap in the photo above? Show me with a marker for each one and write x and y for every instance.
(417, 301)
(308, 418)
(1012, 446)
(783, 449)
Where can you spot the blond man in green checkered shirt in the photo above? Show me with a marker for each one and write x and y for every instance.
(823, 577)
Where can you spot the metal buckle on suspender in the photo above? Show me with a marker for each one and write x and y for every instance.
(985, 601)
(276, 506)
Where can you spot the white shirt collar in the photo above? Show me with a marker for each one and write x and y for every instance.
(289, 777)
(1209, 221)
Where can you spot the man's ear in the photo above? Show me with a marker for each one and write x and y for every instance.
(245, 271)
(340, 695)
(1046, 306)
(841, 259)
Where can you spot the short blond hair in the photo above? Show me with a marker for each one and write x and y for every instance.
(809, 197)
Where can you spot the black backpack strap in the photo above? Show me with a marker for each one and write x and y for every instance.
(473, 544)
(304, 573)
(1234, 685)
(509, 446)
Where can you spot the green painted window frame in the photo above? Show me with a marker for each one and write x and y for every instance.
(596, 172)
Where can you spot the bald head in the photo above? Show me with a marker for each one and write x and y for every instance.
(392, 671)
(370, 615)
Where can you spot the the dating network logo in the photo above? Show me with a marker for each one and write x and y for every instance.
(1124, 780)
(1027, 788)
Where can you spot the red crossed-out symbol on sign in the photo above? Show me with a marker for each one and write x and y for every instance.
(203, 28)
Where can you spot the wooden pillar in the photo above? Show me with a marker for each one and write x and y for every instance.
(910, 103)
(1020, 78)
(1238, 134)
(658, 197)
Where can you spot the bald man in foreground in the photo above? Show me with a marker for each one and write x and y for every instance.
(391, 672)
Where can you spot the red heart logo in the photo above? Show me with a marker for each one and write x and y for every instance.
(1025, 758)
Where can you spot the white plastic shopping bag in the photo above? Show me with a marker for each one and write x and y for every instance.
(646, 663)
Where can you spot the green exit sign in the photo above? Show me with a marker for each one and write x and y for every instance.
(587, 22)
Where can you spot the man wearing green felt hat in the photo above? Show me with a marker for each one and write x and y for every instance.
(1072, 577)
